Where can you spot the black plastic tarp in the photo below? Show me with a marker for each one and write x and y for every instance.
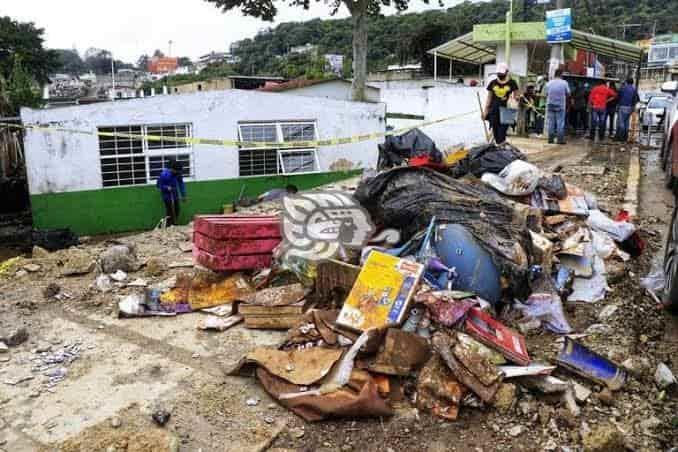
(407, 198)
(488, 158)
(414, 143)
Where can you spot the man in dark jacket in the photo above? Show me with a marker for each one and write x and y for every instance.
(628, 98)
(171, 186)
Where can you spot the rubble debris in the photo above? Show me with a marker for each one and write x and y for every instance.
(518, 178)
(438, 391)
(275, 308)
(526, 371)
(32, 268)
(39, 252)
(414, 143)
(213, 322)
(505, 398)
(119, 257)
(547, 308)
(119, 276)
(487, 158)
(359, 398)
(554, 185)
(103, 283)
(516, 431)
(335, 280)
(604, 438)
(136, 305)
(574, 203)
(205, 290)
(588, 364)
(447, 307)
(663, 376)
(154, 267)
(444, 344)
(299, 367)
(77, 262)
(401, 353)
(4, 348)
(51, 291)
(618, 230)
(14, 336)
(581, 392)
(382, 292)
(161, 417)
(492, 333)
(570, 402)
(52, 364)
(545, 385)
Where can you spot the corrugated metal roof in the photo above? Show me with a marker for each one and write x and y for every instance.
(466, 50)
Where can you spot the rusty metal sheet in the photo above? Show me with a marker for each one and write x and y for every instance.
(300, 367)
(438, 391)
(352, 401)
(401, 353)
(444, 344)
(276, 296)
(206, 290)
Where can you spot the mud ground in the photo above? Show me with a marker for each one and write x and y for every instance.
(128, 368)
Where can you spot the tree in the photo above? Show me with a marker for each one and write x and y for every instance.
(98, 61)
(25, 41)
(184, 61)
(21, 88)
(158, 54)
(360, 10)
(142, 62)
(69, 61)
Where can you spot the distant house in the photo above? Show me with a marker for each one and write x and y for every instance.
(99, 184)
(163, 65)
(337, 88)
(306, 48)
(220, 84)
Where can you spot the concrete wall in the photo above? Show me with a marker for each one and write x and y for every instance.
(207, 85)
(66, 162)
(337, 89)
(441, 101)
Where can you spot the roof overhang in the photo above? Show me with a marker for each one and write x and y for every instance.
(479, 46)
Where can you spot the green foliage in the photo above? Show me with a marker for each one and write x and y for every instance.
(25, 41)
(405, 38)
(21, 89)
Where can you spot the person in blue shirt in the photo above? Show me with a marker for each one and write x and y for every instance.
(627, 100)
(171, 186)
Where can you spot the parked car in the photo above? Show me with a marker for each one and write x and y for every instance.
(654, 110)
(669, 160)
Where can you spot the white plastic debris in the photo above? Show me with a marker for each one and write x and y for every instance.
(518, 178)
(663, 376)
(618, 230)
(103, 283)
(119, 276)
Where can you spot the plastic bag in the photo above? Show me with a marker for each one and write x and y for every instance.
(518, 178)
(618, 230)
(548, 309)
(655, 280)
(554, 185)
(414, 143)
(488, 158)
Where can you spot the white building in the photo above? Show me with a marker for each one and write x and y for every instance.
(339, 89)
(97, 184)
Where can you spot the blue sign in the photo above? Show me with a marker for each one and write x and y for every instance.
(559, 26)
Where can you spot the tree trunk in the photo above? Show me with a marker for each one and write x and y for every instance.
(359, 17)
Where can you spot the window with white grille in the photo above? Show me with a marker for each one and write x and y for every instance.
(138, 161)
(273, 160)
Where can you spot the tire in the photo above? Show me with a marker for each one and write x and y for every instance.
(670, 297)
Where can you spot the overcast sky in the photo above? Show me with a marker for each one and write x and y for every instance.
(130, 28)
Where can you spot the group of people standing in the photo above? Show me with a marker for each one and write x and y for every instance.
(598, 106)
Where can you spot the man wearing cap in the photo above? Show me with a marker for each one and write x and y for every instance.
(499, 91)
(171, 185)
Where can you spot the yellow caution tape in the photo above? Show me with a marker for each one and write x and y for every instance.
(243, 144)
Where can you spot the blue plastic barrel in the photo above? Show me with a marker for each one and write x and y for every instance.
(475, 270)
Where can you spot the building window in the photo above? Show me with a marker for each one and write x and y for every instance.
(137, 161)
(272, 160)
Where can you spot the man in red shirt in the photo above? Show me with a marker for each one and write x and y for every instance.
(598, 99)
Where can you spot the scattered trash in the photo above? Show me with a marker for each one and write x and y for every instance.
(574, 203)
(252, 401)
(119, 276)
(103, 283)
(547, 309)
(219, 323)
(526, 371)
(518, 178)
(401, 353)
(54, 239)
(206, 290)
(655, 280)
(398, 148)
(488, 158)
(382, 292)
(32, 268)
(119, 257)
(14, 336)
(618, 230)
(588, 364)
(274, 308)
(663, 376)
(438, 391)
(161, 417)
(581, 392)
(51, 291)
(553, 185)
(492, 333)
(77, 262)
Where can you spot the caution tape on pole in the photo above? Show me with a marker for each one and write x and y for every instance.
(244, 144)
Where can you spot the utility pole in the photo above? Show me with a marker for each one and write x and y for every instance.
(509, 21)
(170, 48)
(113, 77)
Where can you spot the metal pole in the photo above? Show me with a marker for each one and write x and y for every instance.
(435, 65)
(556, 50)
(509, 19)
(450, 72)
(113, 77)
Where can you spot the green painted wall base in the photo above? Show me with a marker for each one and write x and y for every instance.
(137, 208)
